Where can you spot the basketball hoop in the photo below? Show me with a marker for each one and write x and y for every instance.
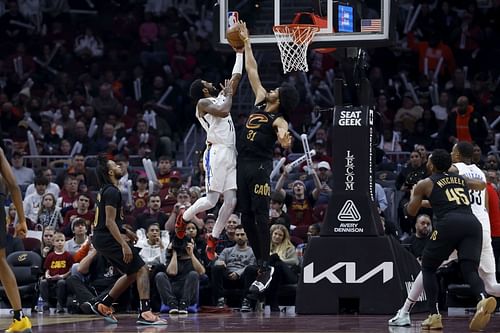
(293, 40)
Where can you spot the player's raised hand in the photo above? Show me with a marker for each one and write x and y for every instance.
(284, 138)
(243, 30)
(227, 88)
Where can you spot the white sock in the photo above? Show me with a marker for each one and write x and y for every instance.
(416, 290)
(491, 285)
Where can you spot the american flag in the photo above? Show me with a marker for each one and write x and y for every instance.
(371, 25)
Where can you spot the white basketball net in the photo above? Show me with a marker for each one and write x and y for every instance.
(293, 40)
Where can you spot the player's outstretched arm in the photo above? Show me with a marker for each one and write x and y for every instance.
(284, 137)
(237, 70)
(251, 65)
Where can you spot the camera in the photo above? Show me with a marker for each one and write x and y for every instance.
(179, 245)
(413, 177)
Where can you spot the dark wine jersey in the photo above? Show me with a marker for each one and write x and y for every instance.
(449, 194)
(256, 141)
(109, 195)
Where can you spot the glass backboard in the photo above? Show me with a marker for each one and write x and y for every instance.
(361, 23)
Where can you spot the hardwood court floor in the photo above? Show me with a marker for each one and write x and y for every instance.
(241, 322)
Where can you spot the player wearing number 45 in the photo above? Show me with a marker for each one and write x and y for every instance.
(456, 228)
(462, 157)
(219, 159)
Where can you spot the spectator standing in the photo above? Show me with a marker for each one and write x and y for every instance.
(464, 124)
(433, 50)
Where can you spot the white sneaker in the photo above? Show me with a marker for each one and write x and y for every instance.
(402, 318)
(262, 281)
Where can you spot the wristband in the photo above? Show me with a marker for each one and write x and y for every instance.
(238, 64)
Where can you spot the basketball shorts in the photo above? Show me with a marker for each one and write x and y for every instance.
(219, 162)
(109, 248)
(462, 232)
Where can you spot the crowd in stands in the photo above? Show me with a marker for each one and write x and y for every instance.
(116, 83)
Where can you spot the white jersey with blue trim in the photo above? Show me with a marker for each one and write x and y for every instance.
(477, 198)
(219, 130)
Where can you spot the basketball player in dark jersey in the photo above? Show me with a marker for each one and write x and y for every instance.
(20, 323)
(457, 228)
(255, 146)
(110, 240)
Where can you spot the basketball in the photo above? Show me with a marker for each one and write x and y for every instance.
(233, 37)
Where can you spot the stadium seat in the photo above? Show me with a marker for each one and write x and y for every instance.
(26, 266)
(31, 244)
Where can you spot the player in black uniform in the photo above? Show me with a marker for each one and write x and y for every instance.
(255, 145)
(110, 240)
(20, 323)
(456, 228)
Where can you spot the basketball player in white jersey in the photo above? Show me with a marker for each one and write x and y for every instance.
(219, 159)
(461, 155)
